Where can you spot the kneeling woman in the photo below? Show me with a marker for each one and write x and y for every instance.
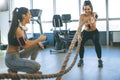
(16, 60)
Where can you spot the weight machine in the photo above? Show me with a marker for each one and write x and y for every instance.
(59, 43)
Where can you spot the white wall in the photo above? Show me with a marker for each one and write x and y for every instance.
(4, 26)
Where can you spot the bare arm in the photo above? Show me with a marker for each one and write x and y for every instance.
(28, 43)
(81, 23)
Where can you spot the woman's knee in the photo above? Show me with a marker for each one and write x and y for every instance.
(36, 67)
(32, 67)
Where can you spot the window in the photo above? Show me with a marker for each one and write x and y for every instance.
(67, 7)
(21, 3)
(47, 8)
(47, 13)
(18, 3)
(114, 25)
(99, 7)
(114, 11)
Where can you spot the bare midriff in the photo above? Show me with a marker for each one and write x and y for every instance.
(12, 49)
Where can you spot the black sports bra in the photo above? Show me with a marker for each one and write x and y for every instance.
(19, 41)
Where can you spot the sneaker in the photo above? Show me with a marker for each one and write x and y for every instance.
(100, 63)
(80, 63)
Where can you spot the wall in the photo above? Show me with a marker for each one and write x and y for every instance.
(114, 38)
(4, 26)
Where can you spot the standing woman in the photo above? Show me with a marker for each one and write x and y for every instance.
(16, 59)
(88, 20)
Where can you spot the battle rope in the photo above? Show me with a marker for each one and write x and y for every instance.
(58, 75)
(75, 39)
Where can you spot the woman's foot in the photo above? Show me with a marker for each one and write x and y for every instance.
(80, 63)
(39, 72)
(100, 63)
(12, 71)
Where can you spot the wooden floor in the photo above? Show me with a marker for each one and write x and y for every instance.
(51, 63)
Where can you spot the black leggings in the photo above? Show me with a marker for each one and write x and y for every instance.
(94, 36)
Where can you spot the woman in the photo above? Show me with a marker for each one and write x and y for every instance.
(16, 59)
(88, 20)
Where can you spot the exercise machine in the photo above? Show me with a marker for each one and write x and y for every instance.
(59, 43)
(36, 17)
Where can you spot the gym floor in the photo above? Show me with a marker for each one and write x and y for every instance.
(52, 63)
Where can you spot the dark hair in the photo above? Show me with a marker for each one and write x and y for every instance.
(16, 18)
(88, 3)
